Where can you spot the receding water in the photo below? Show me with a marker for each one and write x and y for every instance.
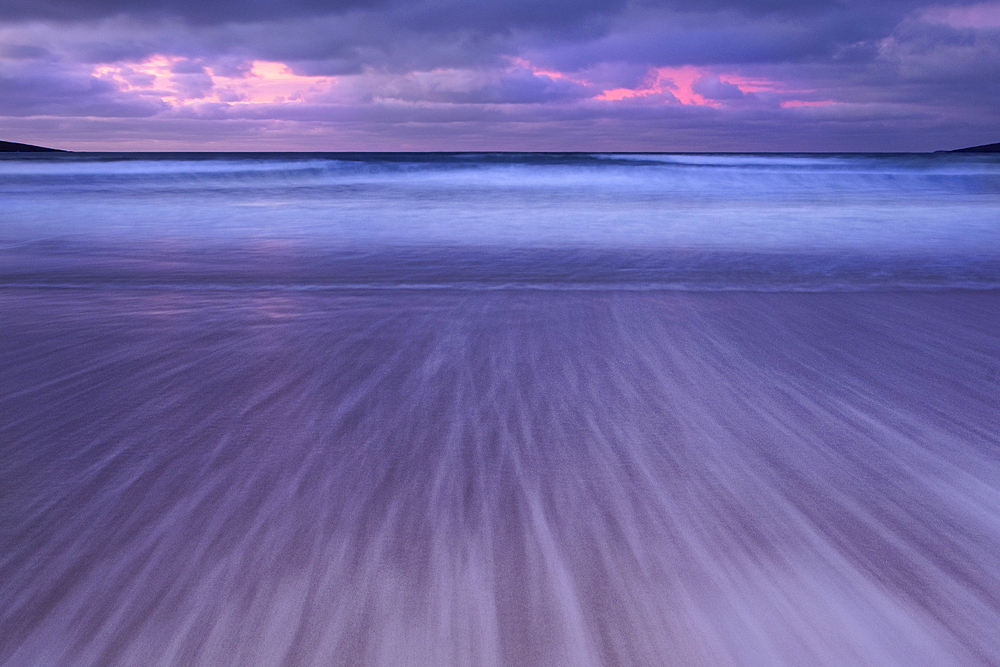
(499, 410)
(679, 221)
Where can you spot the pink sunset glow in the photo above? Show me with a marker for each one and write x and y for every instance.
(522, 63)
(454, 75)
(160, 76)
(680, 82)
(676, 81)
(178, 82)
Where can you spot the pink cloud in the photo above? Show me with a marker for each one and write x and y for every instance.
(266, 82)
(673, 82)
(679, 83)
(190, 88)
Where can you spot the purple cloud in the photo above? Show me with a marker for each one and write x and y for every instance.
(713, 88)
(667, 75)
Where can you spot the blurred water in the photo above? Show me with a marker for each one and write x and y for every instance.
(806, 221)
(499, 410)
(499, 478)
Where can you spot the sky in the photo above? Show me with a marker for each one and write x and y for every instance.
(561, 75)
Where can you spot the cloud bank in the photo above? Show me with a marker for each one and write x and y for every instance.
(712, 75)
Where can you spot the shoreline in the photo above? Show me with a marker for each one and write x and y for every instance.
(491, 478)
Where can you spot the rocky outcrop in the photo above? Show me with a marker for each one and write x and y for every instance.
(12, 147)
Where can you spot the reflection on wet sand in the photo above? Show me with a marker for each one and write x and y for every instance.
(499, 478)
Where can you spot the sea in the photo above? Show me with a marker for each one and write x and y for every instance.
(499, 409)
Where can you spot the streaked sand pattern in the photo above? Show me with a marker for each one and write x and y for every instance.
(406, 477)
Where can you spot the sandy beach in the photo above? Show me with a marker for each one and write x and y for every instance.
(519, 477)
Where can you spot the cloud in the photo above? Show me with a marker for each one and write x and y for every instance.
(587, 126)
(714, 88)
(982, 15)
(517, 85)
(196, 12)
(50, 90)
(729, 74)
(23, 52)
(333, 38)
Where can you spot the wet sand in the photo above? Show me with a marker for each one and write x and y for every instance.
(406, 477)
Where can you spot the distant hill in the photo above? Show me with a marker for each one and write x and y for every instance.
(988, 148)
(11, 147)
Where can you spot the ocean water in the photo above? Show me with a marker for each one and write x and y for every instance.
(759, 222)
(499, 409)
